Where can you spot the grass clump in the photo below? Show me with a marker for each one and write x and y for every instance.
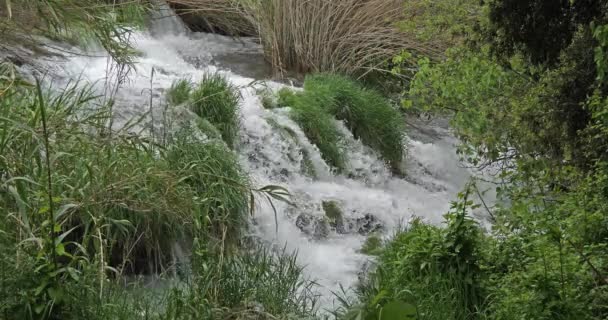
(319, 127)
(372, 245)
(332, 211)
(213, 172)
(179, 92)
(367, 114)
(217, 101)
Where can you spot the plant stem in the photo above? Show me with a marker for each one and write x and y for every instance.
(47, 155)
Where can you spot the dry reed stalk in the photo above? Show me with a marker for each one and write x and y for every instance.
(345, 36)
(220, 16)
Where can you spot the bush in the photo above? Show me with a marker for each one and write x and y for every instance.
(436, 270)
(217, 101)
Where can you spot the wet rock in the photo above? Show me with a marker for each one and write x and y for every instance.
(303, 222)
(368, 224)
(284, 172)
(316, 227)
(334, 214)
(321, 230)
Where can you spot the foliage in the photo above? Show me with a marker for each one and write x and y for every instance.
(434, 269)
(440, 23)
(528, 98)
(372, 245)
(213, 172)
(217, 101)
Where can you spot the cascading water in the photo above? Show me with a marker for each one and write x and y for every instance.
(274, 150)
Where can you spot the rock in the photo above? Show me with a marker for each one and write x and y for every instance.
(321, 230)
(303, 221)
(316, 227)
(368, 224)
(284, 172)
(335, 215)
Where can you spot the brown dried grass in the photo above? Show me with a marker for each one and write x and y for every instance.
(343, 36)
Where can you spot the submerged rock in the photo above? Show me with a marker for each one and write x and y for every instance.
(335, 215)
(316, 227)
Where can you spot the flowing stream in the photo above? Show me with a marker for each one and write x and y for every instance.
(273, 150)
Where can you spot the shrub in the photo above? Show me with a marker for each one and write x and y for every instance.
(435, 269)
(217, 101)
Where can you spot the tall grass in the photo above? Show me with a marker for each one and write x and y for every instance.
(213, 172)
(217, 101)
(108, 23)
(345, 36)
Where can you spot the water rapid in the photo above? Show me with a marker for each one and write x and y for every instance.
(274, 150)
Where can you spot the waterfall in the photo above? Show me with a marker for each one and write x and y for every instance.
(164, 21)
(370, 198)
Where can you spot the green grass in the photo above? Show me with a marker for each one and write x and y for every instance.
(217, 101)
(320, 129)
(367, 114)
(272, 280)
(213, 172)
(179, 92)
(81, 206)
(372, 245)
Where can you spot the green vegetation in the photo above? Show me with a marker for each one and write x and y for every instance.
(332, 212)
(366, 113)
(85, 208)
(318, 125)
(217, 101)
(527, 95)
(179, 92)
(372, 245)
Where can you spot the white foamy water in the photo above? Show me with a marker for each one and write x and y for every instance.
(275, 155)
